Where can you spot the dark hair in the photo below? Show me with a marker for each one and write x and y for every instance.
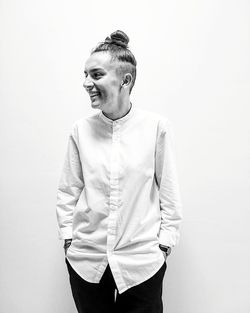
(117, 46)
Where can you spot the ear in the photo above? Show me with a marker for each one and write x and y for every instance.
(127, 80)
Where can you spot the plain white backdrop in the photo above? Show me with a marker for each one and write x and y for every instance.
(194, 68)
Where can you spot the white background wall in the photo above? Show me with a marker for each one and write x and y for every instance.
(193, 67)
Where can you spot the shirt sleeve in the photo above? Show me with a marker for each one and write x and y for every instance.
(167, 181)
(70, 186)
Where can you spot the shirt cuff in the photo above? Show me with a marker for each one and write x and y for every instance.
(65, 233)
(168, 238)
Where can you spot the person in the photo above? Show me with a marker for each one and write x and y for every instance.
(118, 201)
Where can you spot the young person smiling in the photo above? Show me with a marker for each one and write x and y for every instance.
(109, 80)
(118, 202)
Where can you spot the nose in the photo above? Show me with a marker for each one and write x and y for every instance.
(88, 84)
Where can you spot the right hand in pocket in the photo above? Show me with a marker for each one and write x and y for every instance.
(67, 243)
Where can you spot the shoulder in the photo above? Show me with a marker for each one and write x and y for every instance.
(84, 121)
(81, 124)
(161, 120)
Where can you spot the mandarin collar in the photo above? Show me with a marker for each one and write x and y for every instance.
(120, 120)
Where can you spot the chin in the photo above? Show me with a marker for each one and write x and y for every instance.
(95, 104)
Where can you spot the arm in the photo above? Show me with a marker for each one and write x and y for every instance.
(166, 178)
(70, 187)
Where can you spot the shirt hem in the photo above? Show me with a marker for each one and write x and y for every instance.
(122, 290)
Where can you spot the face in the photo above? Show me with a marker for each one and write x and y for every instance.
(102, 81)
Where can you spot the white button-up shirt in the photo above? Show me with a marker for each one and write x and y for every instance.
(118, 196)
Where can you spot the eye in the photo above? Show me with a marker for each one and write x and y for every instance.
(97, 75)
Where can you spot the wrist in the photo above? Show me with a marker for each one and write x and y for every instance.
(166, 249)
(67, 243)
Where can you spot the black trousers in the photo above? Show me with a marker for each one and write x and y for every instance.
(100, 297)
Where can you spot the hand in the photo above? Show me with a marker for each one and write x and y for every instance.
(166, 250)
(67, 243)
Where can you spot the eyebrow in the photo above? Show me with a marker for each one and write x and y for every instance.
(94, 70)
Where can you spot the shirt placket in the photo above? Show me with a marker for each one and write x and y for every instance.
(114, 188)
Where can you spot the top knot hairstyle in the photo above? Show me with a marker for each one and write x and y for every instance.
(117, 46)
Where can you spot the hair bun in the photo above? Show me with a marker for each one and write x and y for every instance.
(118, 38)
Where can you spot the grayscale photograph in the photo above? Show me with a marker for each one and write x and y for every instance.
(125, 164)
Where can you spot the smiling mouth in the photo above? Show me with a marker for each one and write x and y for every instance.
(94, 95)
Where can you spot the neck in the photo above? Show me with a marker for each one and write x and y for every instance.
(122, 110)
